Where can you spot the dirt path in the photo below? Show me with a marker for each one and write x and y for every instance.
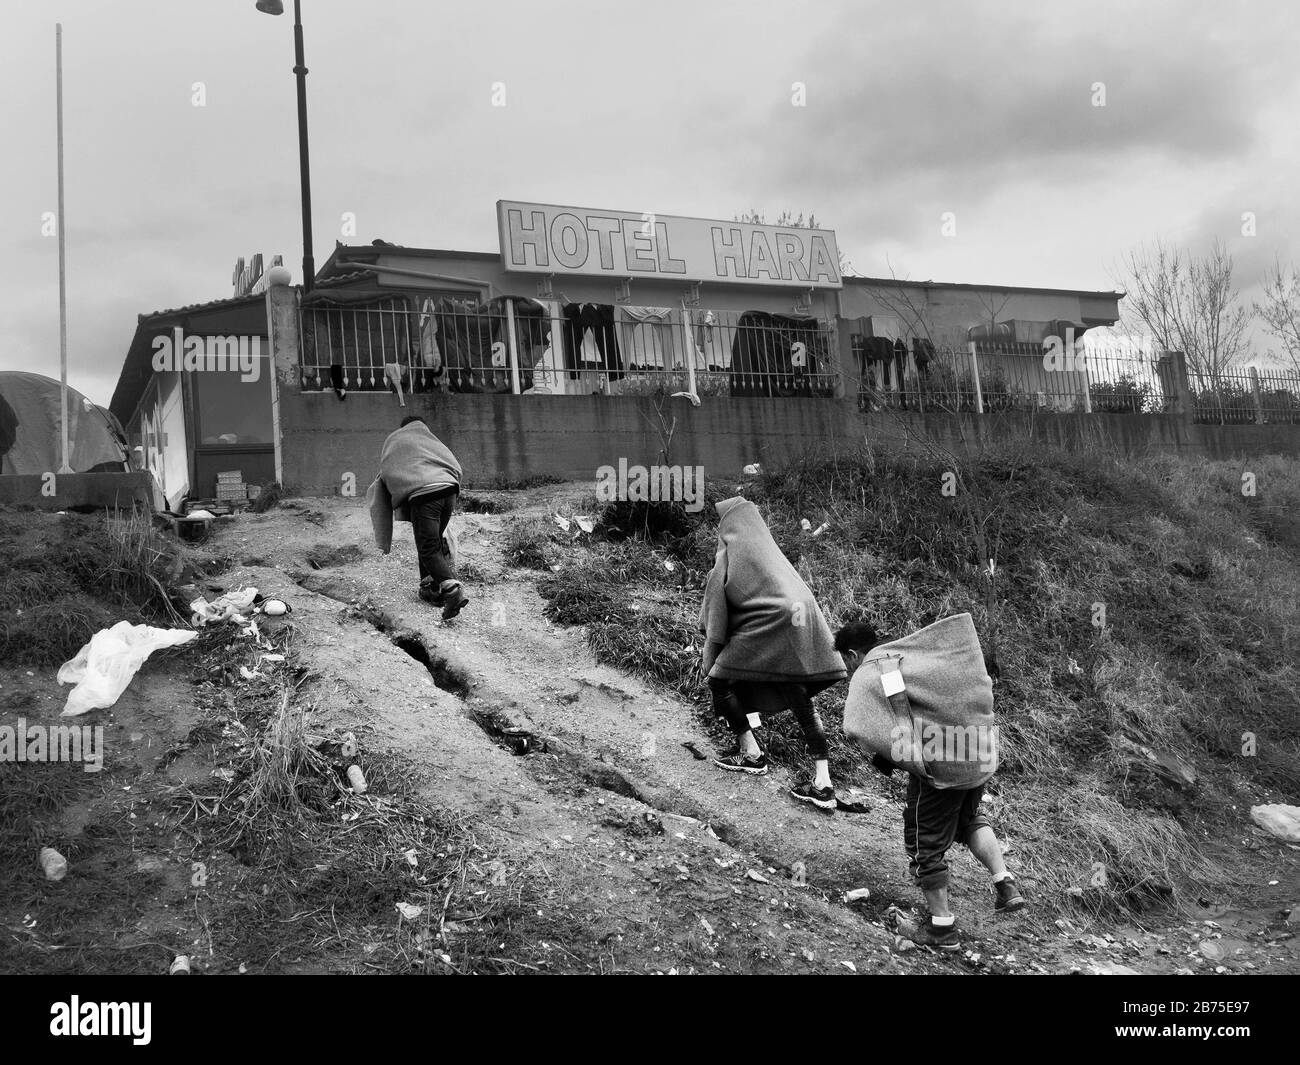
(604, 757)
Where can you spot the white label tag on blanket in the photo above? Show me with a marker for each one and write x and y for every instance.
(892, 682)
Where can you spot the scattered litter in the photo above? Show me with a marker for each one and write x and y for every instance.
(754, 874)
(562, 522)
(1211, 949)
(411, 857)
(180, 967)
(850, 966)
(857, 894)
(690, 746)
(805, 525)
(821, 528)
(229, 607)
(707, 927)
(247, 673)
(103, 668)
(753, 469)
(272, 607)
(902, 945)
(584, 523)
(1278, 820)
(54, 865)
(409, 910)
(349, 745)
(357, 779)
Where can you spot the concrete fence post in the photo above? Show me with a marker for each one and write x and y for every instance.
(285, 356)
(1259, 397)
(975, 378)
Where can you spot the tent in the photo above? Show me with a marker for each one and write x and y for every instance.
(31, 434)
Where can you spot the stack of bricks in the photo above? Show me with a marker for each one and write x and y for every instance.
(231, 489)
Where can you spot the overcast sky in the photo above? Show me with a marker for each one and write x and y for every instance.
(677, 107)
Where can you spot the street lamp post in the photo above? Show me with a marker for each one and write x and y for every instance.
(276, 7)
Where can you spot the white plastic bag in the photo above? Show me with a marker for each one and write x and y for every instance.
(1281, 821)
(104, 667)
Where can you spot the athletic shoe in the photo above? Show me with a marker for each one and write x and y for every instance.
(937, 936)
(822, 798)
(453, 598)
(1009, 899)
(735, 763)
(430, 594)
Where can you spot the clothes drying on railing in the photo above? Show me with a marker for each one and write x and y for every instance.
(778, 355)
(647, 338)
(712, 333)
(474, 346)
(590, 342)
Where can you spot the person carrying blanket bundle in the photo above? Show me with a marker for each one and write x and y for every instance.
(924, 703)
(419, 479)
(767, 646)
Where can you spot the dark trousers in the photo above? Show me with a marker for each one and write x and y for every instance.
(933, 819)
(732, 703)
(429, 517)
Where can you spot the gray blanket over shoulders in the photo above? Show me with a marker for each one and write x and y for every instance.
(760, 620)
(940, 727)
(411, 458)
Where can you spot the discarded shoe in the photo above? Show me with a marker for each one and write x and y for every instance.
(822, 798)
(736, 763)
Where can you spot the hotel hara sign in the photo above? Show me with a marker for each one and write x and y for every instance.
(540, 238)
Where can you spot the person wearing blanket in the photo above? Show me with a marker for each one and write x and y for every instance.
(766, 645)
(419, 479)
(924, 703)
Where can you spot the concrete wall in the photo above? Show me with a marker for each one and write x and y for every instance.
(571, 436)
(83, 491)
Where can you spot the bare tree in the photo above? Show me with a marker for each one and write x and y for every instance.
(1187, 304)
(1280, 311)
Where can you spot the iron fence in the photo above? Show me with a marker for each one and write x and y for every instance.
(1238, 397)
(430, 342)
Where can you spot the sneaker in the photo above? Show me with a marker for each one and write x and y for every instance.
(1009, 899)
(453, 599)
(941, 937)
(822, 798)
(736, 763)
(428, 593)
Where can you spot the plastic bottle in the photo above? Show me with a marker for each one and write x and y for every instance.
(357, 779)
(180, 967)
(53, 863)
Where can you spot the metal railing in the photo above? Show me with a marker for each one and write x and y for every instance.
(431, 342)
(1245, 396)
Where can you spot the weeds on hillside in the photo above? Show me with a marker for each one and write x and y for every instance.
(65, 577)
(1136, 606)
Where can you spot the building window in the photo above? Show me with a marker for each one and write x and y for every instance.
(232, 412)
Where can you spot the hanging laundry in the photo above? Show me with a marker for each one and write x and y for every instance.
(713, 333)
(430, 356)
(393, 375)
(646, 337)
(589, 340)
(780, 355)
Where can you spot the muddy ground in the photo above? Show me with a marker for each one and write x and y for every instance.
(618, 849)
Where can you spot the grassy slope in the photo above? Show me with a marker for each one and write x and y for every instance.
(1201, 592)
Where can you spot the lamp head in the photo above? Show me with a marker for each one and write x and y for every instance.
(270, 7)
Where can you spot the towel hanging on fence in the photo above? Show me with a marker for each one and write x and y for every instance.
(393, 375)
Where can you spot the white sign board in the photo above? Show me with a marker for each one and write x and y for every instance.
(541, 238)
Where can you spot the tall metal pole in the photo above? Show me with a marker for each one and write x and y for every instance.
(63, 289)
(300, 69)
